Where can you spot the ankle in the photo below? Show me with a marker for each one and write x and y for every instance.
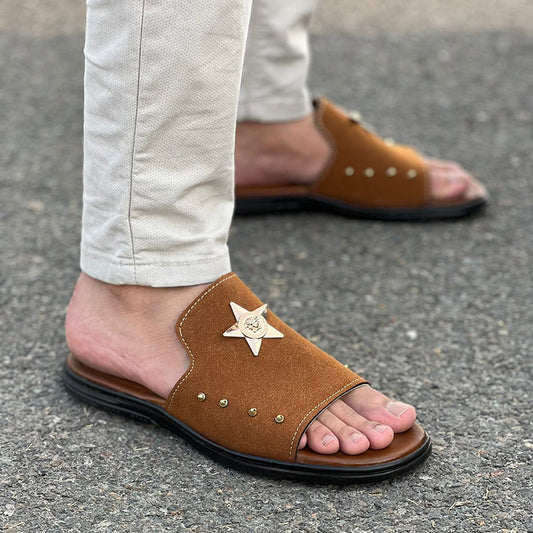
(279, 153)
(132, 299)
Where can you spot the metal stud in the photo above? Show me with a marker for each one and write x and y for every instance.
(252, 411)
(223, 402)
(355, 116)
(201, 397)
(369, 172)
(279, 419)
(412, 173)
(389, 141)
(349, 171)
(391, 171)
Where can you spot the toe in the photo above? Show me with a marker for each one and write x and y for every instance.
(446, 184)
(321, 439)
(377, 407)
(476, 190)
(362, 419)
(378, 435)
(351, 441)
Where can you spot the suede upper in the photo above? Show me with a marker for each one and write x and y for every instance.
(364, 169)
(289, 377)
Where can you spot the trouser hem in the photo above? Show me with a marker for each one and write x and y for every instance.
(168, 274)
(279, 109)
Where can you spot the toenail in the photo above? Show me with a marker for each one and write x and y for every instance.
(327, 439)
(381, 428)
(397, 408)
(354, 437)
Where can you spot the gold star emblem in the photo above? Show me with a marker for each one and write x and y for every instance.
(252, 325)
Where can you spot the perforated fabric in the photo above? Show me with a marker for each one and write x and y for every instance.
(276, 63)
(161, 88)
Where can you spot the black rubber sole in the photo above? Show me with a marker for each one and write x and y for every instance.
(261, 205)
(147, 412)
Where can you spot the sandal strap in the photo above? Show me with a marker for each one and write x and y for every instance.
(365, 169)
(254, 404)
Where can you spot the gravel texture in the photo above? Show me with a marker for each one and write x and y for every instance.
(439, 314)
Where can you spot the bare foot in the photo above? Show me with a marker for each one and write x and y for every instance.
(296, 153)
(128, 331)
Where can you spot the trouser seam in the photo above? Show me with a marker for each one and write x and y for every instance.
(134, 139)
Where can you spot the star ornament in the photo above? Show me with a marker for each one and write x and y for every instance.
(252, 325)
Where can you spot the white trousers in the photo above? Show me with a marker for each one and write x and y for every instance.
(162, 85)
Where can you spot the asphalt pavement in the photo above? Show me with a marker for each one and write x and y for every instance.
(438, 314)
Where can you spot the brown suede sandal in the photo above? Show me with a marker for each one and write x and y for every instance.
(252, 388)
(366, 177)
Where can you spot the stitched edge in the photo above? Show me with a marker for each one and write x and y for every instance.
(191, 307)
(424, 174)
(319, 121)
(425, 186)
(151, 263)
(134, 138)
(423, 169)
(359, 379)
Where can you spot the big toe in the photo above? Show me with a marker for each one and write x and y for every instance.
(377, 407)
